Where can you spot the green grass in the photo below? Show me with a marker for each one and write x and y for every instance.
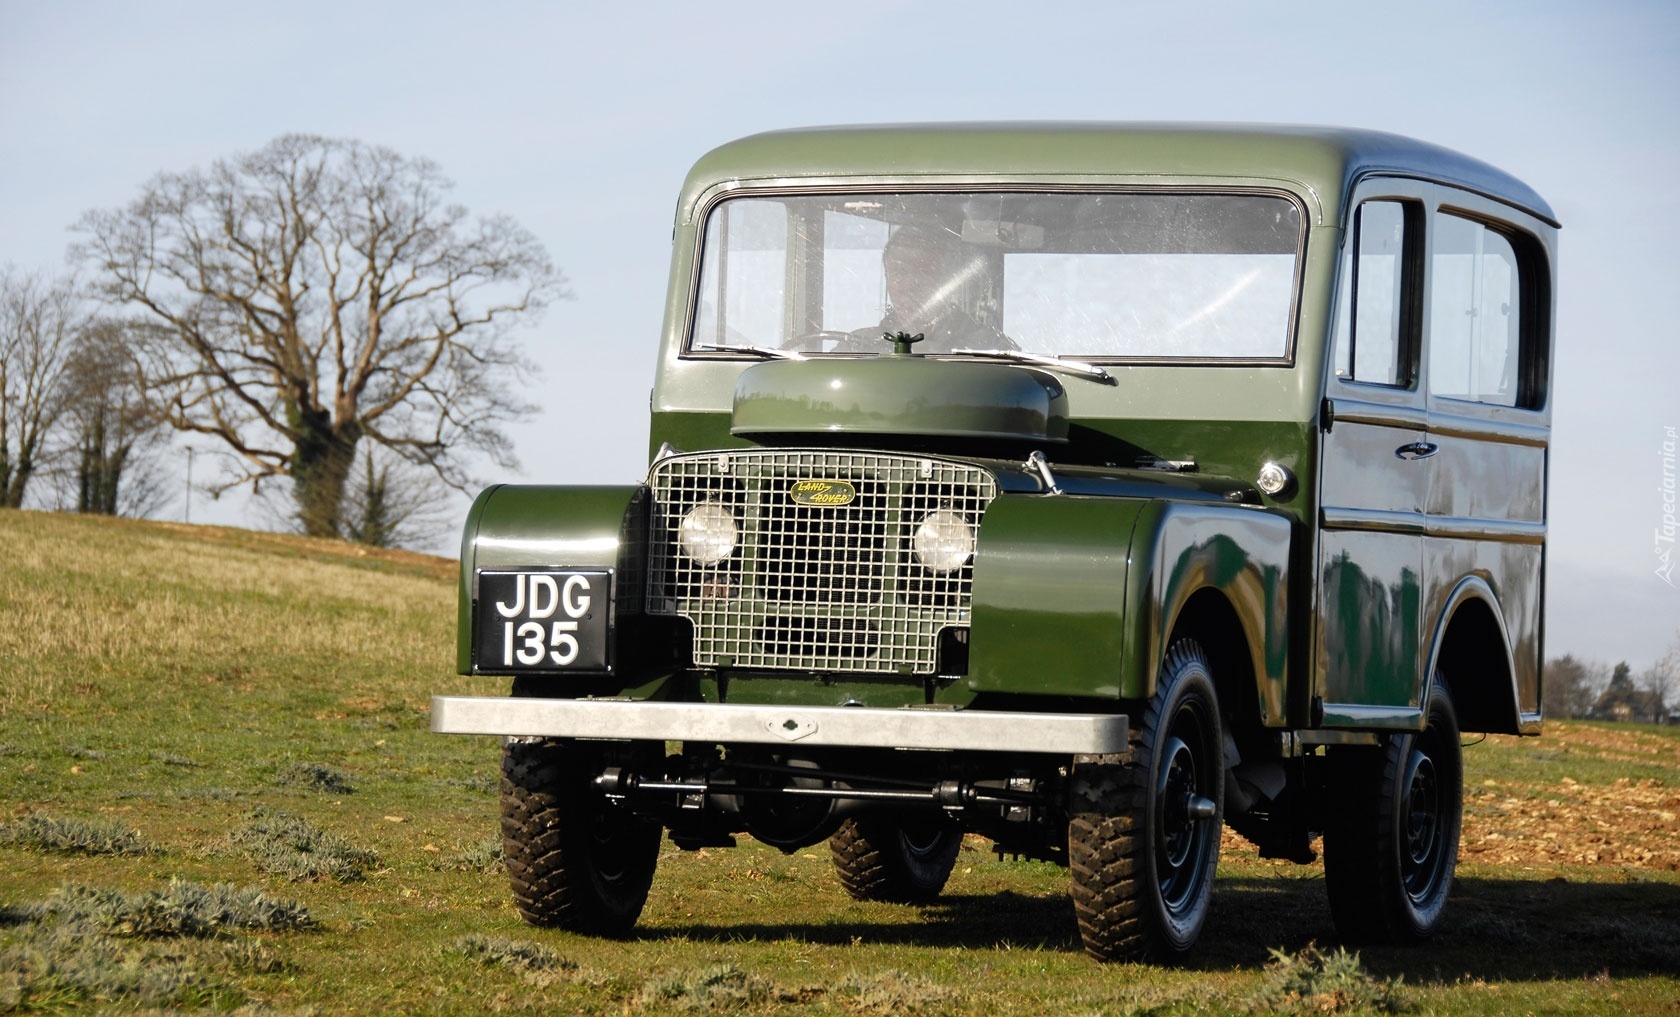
(227, 701)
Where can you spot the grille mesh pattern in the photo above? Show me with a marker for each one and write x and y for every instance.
(824, 587)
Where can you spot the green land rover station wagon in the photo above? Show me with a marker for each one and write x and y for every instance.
(1087, 487)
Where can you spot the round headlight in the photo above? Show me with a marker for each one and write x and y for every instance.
(708, 533)
(944, 541)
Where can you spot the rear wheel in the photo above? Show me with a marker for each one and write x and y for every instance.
(575, 859)
(898, 859)
(1391, 844)
(1143, 829)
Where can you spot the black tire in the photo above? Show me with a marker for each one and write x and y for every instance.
(896, 859)
(575, 860)
(1391, 840)
(1143, 828)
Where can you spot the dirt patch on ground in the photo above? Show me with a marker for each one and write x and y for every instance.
(1629, 822)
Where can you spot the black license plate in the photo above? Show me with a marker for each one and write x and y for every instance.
(544, 620)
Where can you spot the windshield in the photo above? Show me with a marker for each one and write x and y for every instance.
(1095, 276)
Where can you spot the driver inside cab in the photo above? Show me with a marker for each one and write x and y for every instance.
(926, 272)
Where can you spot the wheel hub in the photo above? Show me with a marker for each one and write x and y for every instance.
(1182, 823)
(1421, 820)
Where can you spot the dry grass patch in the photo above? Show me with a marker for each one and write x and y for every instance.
(81, 595)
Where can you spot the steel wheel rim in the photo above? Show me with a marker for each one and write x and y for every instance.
(1182, 841)
(1422, 828)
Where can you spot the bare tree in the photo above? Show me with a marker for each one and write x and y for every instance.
(1663, 678)
(117, 442)
(391, 503)
(1572, 686)
(315, 293)
(40, 318)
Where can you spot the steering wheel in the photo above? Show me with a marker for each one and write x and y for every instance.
(869, 339)
(844, 342)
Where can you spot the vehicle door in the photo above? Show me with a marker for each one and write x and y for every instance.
(1375, 469)
(1486, 340)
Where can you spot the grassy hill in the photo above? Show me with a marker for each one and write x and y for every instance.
(217, 791)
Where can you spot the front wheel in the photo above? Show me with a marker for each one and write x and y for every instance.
(575, 859)
(1143, 828)
(1391, 844)
(900, 860)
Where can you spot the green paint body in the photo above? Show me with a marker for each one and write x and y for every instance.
(1076, 594)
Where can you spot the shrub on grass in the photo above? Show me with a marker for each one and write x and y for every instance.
(212, 794)
(170, 759)
(889, 992)
(183, 909)
(248, 954)
(509, 953)
(718, 987)
(286, 845)
(315, 777)
(1313, 982)
(171, 948)
(482, 856)
(72, 836)
(483, 783)
(54, 968)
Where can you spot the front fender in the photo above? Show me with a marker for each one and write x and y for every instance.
(564, 527)
(1050, 595)
(1076, 596)
(1242, 556)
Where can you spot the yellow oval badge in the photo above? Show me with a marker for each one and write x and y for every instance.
(824, 493)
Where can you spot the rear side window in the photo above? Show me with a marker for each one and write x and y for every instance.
(1374, 330)
(1475, 313)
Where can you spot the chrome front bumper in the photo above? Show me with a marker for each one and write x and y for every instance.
(828, 726)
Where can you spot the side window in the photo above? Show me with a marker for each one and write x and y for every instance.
(1373, 328)
(743, 281)
(1475, 311)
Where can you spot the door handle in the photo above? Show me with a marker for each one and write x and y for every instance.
(1416, 450)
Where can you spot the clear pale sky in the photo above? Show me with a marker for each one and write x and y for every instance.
(579, 120)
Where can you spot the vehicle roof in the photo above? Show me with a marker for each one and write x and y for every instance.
(1325, 161)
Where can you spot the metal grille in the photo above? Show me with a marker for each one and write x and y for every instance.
(834, 587)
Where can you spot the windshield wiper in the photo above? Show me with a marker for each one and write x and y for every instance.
(767, 352)
(1078, 367)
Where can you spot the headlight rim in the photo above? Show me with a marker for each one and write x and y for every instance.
(708, 513)
(942, 524)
